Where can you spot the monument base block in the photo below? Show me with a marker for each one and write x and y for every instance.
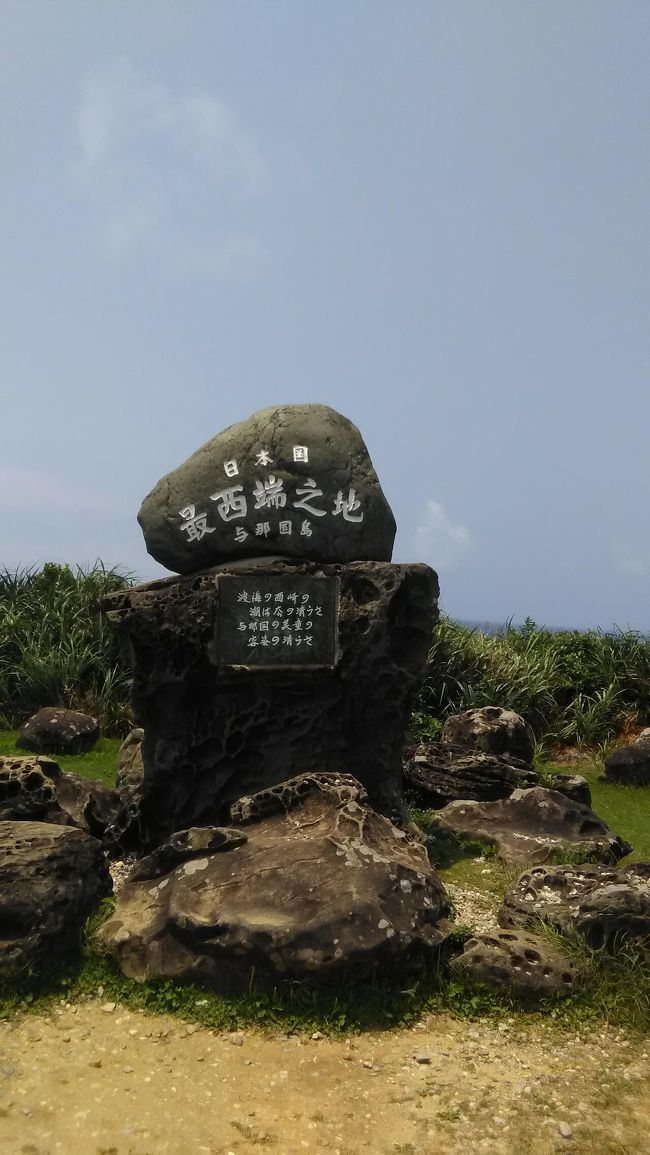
(248, 674)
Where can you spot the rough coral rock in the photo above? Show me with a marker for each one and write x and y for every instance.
(602, 903)
(444, 774)
(54, 730)
(491, 730)
(213, 733)
(315, 882)
(302, 472)
(35, 788)
(532, 826)
(51, 879)
(629, 765)
(522, 964)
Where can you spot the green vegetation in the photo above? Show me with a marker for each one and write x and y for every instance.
(56, 649)
(99, 763)
(581, 689)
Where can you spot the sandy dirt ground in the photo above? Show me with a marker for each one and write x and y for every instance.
(96, 1078)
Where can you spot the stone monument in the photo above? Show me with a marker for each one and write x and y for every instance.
(290, 643)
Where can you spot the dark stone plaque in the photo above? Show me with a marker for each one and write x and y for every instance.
(277, 622)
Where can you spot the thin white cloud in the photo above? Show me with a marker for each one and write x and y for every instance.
(158, 167)
(438, 540)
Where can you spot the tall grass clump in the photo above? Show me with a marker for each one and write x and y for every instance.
(55, 647)
(579, 688)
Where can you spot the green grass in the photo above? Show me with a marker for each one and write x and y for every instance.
(99, 763)
(626, 809)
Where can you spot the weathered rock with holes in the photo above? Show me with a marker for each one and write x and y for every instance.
(604, 904)
(522, 964)
(214, 733)
(444, 774)
(491, 730)
(36, 789)
(130, 767)
(573, 786)
(51, 879)
(302, 471)
(54, 730)
(629, 765)
(532, 826)
(308, 880)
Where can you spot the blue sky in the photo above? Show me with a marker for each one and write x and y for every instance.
(433, 216)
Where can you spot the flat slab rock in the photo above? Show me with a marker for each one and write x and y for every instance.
(35, 789)
(213, 733)
(291, 480)
(306, 881)
(604, 904)
(491, 730)
(51, 879)
(446, 774)
(531, 826)
(520, 963)
(54, 730)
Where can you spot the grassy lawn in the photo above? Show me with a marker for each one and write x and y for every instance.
(99, 763)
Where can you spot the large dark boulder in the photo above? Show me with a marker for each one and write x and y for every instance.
(440, 775)
(36, 789)
(54, 730)
(214, 730)
(532, 826)
(521, 964)
(630, 765)
(604, 904)
(306, 882)
(291, 480)
(491, 730)
(51, 879)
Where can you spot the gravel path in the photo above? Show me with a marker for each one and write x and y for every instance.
(96, 1079)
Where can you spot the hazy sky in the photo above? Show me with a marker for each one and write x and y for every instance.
(433, 216)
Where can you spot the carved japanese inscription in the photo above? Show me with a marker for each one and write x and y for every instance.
(276, 622)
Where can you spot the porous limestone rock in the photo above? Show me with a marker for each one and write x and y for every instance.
(307, 880)
(130, 768)
(629, 765)
(604, 904)
(214, 733)
(532, 826)
(300, 472)
(573, 786)
(35, 789)
(522, 964)
(443, 774)
(54, 730)
(491, 730)
(51, 879)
